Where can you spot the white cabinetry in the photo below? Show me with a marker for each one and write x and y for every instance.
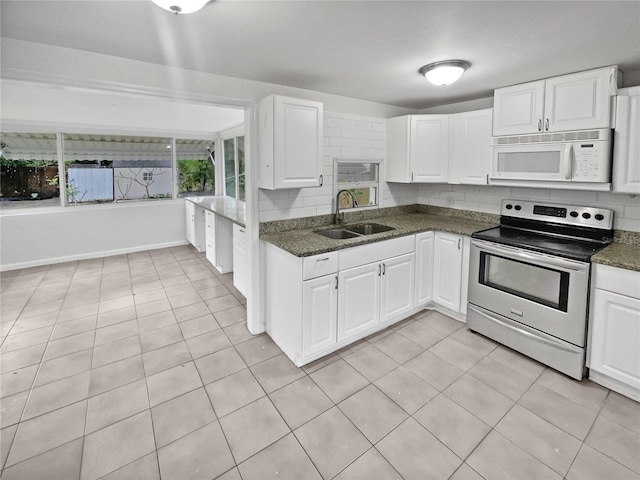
(319, 314)
(240, 273)
(313, 307)
(614, 358)
(626, 145)
(195, 225)
(447, 270)
(418, 149)
(358, 300)
(290, 143)
(470, 147)
(219, 242)
(578, 101)
(424, 268)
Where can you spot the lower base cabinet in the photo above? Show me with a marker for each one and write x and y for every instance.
(240, 272)
(313, 307)
(614, 359)
(219, 242)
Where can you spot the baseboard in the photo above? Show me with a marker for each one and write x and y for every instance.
(89, 256)
(615, 385)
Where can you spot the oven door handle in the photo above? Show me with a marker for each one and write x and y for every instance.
(531, 257)
(520, 331)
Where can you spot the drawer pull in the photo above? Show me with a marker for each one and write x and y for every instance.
(322, 259)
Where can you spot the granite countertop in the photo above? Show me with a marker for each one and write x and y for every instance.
(304, 242)
(226, 207)
(619, 255)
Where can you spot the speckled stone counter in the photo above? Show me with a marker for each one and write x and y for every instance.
(226, 207)
(305, 242)
(621, 255)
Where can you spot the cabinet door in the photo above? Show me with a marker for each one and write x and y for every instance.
(429, 148)
(518, 109)
(319, 311)
(210, 235)
(298, 143)
(424, 268)
(615, 335)
(579, 101)
(240, 266)
(190, 224)
(358, 299)
(470, 150)
(626, 145)
(447, 268)
(396, 290)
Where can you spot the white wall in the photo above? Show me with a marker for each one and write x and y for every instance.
(345, 136)
(55, 234)
(488, 199)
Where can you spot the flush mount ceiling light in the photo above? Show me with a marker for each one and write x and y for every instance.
(181, 6)
(444, 73)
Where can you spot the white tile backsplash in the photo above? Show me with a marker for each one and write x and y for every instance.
(489, 198)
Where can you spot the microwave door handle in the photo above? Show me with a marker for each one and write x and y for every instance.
(569, 162)
(503, 250)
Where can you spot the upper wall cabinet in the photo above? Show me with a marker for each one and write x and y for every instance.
(418, 149)
(290, 143)
(470, 147)
(626, 145)
(578, 101)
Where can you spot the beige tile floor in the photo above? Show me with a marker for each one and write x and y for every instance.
(140, 367)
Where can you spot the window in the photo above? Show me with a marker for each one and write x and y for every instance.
(196, 172)
(234, 167)
(28, 170)
(116, 168)
(230, 167)
(361, 178)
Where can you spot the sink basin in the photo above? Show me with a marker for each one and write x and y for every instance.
(336, 233)
(368, 228)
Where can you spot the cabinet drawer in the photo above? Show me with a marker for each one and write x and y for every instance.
(319, 265)
(375, 252)
(210, 218)
(618, 280)
(239, 234)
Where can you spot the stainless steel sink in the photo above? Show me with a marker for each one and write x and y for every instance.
(351, 231)
(337, 233)
(368, 228)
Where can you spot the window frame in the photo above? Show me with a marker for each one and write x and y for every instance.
(354, 185)
(76, 129)
(232, 134)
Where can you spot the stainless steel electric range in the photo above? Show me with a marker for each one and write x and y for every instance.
(529, 280)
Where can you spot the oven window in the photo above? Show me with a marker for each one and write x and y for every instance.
(539, 284)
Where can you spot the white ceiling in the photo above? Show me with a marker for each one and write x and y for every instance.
(369, 50)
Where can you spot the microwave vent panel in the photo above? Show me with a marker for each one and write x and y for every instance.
(553, 137)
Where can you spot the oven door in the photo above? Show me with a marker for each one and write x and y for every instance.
(545, 292)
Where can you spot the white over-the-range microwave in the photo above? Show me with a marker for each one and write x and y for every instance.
(574, 160)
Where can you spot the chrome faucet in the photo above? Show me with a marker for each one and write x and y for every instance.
(339, 217)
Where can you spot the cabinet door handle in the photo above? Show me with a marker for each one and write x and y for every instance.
(384, 268)
(459, 243)
(241, 231)
(539, 124)
(412, 176)
(321, 180)
(379, 269)
(336, 282)
(546, 125)
(487, 179)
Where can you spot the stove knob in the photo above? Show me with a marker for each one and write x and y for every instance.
(599, 216)
(574, 214)
(509, 206)
(586, 215)
(518, 207)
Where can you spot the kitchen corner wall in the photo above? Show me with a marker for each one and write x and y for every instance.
(345, 136)
(488, 199)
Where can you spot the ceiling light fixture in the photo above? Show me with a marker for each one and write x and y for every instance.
(444, 73)
(181, 6)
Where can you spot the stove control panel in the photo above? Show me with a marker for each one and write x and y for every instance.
(564, 214)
